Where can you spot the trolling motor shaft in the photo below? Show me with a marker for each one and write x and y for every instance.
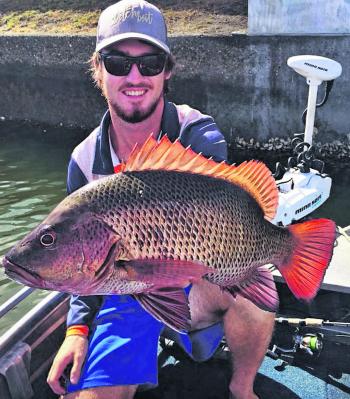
(316, 70)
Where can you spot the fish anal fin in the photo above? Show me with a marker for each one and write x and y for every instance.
(168, 305)
(259, 289)
(304, 269)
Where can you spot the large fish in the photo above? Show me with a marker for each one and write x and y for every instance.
(168, 219)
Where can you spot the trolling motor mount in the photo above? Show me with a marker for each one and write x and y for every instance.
(302, 185)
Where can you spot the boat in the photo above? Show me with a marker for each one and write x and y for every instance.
(309, 355)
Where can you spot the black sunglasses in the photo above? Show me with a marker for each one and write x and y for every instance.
(120, 65)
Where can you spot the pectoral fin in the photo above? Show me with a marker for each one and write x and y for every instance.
(165, 272)
(169, 305)
(166, 278)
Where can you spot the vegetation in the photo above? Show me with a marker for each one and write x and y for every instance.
(80, 16)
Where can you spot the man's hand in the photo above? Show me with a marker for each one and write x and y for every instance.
(73, 351)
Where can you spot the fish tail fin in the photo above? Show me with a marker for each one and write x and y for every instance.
(305, 267)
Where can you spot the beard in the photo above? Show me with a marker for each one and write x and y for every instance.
(137, 115)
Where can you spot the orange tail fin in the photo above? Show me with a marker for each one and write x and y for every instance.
(313, 248)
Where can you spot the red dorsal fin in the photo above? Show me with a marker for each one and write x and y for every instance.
(253, 176)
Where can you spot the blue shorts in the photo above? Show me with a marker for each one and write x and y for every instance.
(123, 346)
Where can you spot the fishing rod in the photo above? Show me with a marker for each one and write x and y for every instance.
(309, 322)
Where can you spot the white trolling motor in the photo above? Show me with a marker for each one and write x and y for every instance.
(303, 186)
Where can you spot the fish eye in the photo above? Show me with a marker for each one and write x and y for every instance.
(47, 239)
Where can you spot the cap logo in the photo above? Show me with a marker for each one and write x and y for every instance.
(134, 13)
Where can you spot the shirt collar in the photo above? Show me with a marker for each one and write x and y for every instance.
(114, 156)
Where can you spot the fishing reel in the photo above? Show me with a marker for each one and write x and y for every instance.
(302, 344)
(311, 342)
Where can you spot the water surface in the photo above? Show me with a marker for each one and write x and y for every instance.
(32, 181)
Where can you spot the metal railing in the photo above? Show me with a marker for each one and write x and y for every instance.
(15, 300)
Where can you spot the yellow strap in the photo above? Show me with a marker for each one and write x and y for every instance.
(81, 330)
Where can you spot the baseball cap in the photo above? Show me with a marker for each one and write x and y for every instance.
(132, 19)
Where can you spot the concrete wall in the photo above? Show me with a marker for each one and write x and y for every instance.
(242, 81)
(298, 17)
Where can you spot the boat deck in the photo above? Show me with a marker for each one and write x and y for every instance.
(182, 378)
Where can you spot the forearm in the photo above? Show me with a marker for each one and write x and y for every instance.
(83, 310)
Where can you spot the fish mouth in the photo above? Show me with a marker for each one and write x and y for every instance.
(21, 275)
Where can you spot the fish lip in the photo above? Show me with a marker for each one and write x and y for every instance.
(18, 273)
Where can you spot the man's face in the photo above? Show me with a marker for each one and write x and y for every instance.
(133, 97)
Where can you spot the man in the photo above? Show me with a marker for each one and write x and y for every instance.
(111, 341)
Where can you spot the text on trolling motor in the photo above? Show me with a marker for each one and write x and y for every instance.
(315, 66)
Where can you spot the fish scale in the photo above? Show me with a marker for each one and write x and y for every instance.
(177, 204)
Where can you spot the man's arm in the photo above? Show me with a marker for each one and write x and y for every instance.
(75, 177)
(205, 137)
